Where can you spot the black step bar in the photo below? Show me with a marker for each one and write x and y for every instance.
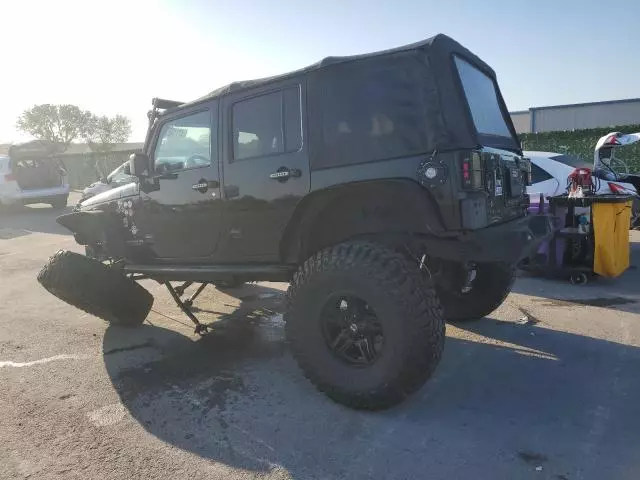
(212, 273)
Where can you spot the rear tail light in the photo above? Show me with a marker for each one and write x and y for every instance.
(8, 177)
(617, 189)
(472, 174)
(612, 140)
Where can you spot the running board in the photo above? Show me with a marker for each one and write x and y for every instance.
(212, 273)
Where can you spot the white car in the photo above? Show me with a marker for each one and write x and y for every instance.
(27, 181)
(549, 172)
(115, 179)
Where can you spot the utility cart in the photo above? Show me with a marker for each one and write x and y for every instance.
(591, 237)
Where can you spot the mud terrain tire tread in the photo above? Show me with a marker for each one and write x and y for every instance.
(493, 285)
(95, 288)
(418, 317)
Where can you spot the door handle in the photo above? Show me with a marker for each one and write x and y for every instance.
(203, 185)
(284, 173)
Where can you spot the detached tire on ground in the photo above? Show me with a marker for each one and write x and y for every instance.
(364, 325)
(489, 289)
(95, 288)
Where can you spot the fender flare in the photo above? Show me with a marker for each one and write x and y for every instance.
(334, 214)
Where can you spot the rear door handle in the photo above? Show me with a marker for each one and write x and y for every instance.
(203, 185)
(284, 173)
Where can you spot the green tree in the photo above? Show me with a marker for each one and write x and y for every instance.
(59, 125)
(101, 134)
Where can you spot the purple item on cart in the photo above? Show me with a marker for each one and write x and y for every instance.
(558, 222)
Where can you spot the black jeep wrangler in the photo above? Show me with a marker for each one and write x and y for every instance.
(388, 189)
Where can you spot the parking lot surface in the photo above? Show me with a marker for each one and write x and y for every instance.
(547, 387)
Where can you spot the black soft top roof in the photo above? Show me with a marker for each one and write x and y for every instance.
(440, 44)
(430, 84)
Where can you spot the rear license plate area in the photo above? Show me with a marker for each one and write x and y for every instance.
(505, 186)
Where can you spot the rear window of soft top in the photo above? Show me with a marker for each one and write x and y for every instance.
(482, 97)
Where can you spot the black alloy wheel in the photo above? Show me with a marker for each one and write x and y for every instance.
(352, 330)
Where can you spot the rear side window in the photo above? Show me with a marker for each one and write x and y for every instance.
(373, 110)
(268, 124)
(482, 97)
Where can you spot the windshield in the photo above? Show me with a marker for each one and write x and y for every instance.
(482, 98)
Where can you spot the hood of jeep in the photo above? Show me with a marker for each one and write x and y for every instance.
(128, 190)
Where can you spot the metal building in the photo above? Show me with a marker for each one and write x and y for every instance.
(577, 116)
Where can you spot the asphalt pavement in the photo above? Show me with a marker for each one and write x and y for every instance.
(547, 387)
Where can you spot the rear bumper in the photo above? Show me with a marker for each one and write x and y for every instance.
(509, 242)
(9, 196)
(513, 241)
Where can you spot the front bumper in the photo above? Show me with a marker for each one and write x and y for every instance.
(509, 242)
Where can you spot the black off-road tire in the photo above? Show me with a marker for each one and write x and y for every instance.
(405, 303)
(60, 203)
(489, 289)
(95, 288)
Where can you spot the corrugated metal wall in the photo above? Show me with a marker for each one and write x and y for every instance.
(577, 117)
(580, 117)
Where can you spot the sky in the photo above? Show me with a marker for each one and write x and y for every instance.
(112, 57)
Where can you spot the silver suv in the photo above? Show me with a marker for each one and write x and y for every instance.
(27, 181)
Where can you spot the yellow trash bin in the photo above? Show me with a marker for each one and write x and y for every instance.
(611, 236)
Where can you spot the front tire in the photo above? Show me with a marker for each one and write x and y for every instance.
(93, 287)
(60, 203)
(487, 291)
(364, 325)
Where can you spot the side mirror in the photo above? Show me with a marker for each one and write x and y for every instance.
(126, 169)
(139, 165)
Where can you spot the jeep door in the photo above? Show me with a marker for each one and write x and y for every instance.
(181, 218)
(266, 168)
